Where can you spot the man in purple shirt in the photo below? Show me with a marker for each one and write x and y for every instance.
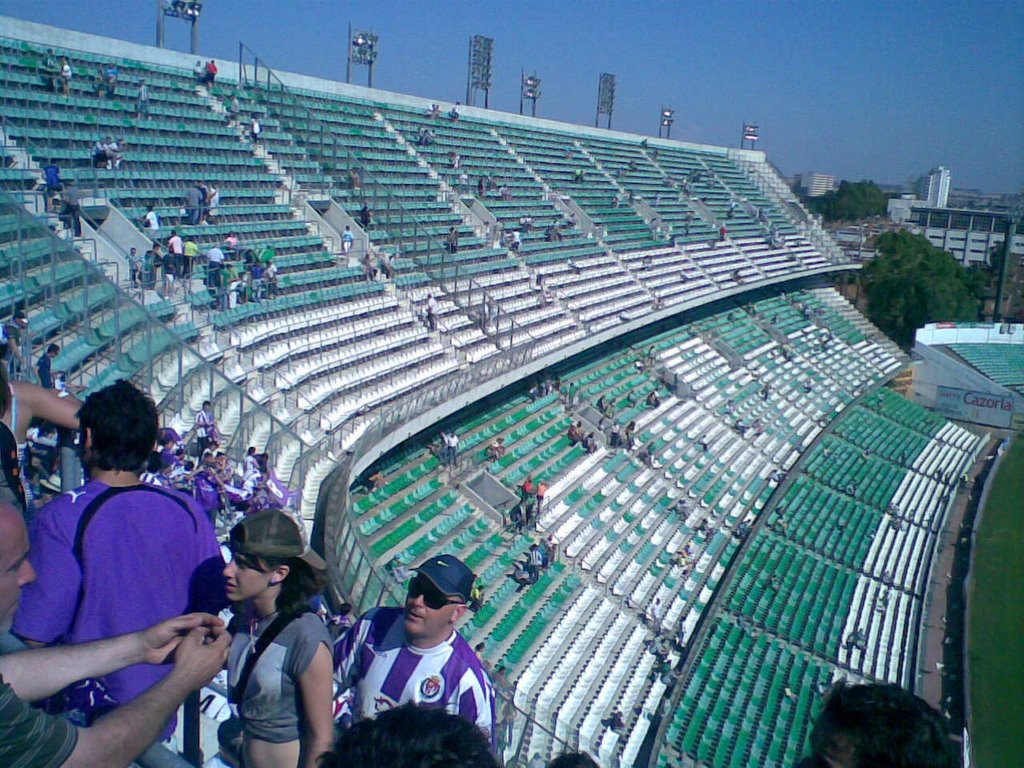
(116, 556)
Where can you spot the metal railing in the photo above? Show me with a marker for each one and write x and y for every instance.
(408, 234)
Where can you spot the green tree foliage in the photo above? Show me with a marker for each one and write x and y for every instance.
(851, 202)
(911, 282)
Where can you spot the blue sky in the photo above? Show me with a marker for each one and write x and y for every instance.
(877, 90)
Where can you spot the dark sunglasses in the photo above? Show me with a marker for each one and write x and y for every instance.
(433, 597)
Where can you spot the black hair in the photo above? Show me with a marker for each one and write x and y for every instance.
(154, 463)
(122, 421)
(882, 726)
(573, 760)
(301, 583)
(54, 348)
(411, 737)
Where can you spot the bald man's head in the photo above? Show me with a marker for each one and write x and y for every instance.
(15, 569)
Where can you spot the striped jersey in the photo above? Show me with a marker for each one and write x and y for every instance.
(377, 670)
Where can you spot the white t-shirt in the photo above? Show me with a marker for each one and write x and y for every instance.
(152, 221)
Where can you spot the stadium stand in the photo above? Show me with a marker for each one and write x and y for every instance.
(709, 580)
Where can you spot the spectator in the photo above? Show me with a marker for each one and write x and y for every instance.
(411, 737)
(347, 239)
(193, 204)
(12, 339)
(365, 217)
(453, 113)
(881, 726)
(52, 68)
(152, 222)
(432, 310)
(270, 279)
(255, 129)
(210, 72)
(20, 403)
(45, 366)
(142, 100)
(425, 137)
(279, 672)
(210, 206)
(233, 109)
(30, 737)
(54, 185)
(158, 542)
(414, 654)
(207, 435)
(434, 112)
(199, 71)
(66, 75)
(384, 262)
(452, 240)
(152, 263)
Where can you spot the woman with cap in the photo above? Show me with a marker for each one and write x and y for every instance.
(280, 666)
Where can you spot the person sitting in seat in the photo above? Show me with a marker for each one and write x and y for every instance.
(496, 449)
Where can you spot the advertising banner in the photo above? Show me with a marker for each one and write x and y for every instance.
(978, 407)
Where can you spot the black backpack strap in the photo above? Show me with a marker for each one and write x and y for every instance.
(269, 634)
(94, 506)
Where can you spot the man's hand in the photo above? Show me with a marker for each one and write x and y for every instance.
(158, 642)
(199, 656)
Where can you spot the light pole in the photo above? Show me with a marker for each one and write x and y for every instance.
(750, 133)
(481, 56)
(529, 91)
(667, 117)
(362, 49)
(186, 10)
(605, 98)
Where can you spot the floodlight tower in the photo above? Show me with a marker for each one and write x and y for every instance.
(605, 98)
(1014, 216)
(186, 10)
(481, 57)
(750, 133)
(362, 49)
(668, 116)
(529, 90)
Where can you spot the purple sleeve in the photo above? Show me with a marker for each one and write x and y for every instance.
(345, 656)
(207, 591)
(48, 604)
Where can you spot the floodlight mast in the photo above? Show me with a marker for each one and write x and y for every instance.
(750, 133)
(529, 90)
(478, 76)
(665, 120)
(186, 10)
(605, 98)
(362, 49)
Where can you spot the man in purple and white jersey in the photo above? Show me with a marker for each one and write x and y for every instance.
(393, 656)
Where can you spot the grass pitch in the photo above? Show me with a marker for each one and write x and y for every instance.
(997, 621)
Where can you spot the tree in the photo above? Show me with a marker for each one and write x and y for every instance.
(851, 202)
(911, 282)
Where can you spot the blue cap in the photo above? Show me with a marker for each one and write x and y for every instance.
(449, 574)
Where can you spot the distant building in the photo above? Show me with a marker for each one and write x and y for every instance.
(968, 235)
(934, 187)
(816, 184)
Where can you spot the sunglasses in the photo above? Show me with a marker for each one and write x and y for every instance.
(433, 597)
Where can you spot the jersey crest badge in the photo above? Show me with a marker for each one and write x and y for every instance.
(431, 688)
